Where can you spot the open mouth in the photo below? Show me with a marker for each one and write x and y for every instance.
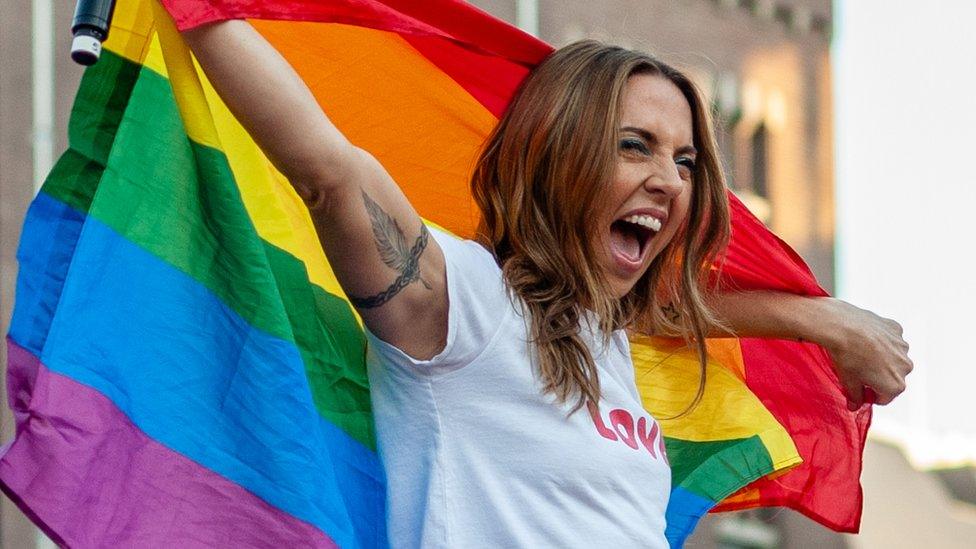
(629, 236)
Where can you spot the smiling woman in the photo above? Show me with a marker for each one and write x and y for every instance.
(601, 129)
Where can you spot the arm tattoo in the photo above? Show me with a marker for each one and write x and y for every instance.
(392, 245)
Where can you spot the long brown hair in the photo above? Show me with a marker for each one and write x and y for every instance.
(537, 180)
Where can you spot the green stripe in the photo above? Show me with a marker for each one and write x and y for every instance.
(715, 470)
(132, 166)
(95, 118)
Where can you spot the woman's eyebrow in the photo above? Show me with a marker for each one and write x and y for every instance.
(650, 138)
(645, 135)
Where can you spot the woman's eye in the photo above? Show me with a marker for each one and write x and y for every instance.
(633, 145)
(686, 166)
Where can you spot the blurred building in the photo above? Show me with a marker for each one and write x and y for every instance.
(764, 64)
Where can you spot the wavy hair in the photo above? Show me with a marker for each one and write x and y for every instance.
(537, 179)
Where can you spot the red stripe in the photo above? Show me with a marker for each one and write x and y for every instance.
(447, 19)
(486, 56)
(757, 259)
(489, 79)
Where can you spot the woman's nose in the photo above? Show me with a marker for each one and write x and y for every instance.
(664, 179)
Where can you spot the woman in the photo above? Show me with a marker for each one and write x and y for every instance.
(603, 207)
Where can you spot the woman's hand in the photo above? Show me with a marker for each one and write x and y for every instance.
(868, 351)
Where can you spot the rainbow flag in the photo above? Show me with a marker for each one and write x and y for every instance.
(185, 370)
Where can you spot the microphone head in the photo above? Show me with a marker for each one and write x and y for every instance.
(86, 49)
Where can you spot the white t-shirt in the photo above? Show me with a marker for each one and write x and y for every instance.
(477, 456)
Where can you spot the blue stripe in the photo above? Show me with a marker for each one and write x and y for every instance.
(47, 243)
(192, 374)
(685, 509)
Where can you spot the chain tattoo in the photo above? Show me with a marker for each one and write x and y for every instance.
(392, 246)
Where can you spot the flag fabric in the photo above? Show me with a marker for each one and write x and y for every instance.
(184, 368)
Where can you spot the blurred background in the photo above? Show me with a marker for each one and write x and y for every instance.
(840, 124)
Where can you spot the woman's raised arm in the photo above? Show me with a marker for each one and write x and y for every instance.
(379, 249)
(868, 350)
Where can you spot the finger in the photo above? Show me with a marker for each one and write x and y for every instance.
(896, 327)
(888, 392)
(883, 399)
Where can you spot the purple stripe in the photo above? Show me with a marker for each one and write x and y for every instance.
(82, 469)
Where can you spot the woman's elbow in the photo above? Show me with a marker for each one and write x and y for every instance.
(329, 175)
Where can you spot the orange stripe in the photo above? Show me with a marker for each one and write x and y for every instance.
(727, 352)
(390, 100)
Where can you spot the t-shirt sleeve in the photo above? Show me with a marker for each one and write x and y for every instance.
(478, 304)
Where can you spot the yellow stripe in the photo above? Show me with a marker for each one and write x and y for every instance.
(667, 377)
(134, 33)
(132, 30)
(782, 450)
(185, 80)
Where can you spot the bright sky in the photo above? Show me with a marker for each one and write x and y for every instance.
(905, 100)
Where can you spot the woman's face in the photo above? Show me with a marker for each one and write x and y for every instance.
(650, 192)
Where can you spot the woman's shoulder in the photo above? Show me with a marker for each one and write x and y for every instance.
(462, 249)
(469, 263)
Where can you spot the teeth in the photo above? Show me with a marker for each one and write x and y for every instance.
(651, 223)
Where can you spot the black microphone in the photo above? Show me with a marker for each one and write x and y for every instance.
(90, 28)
